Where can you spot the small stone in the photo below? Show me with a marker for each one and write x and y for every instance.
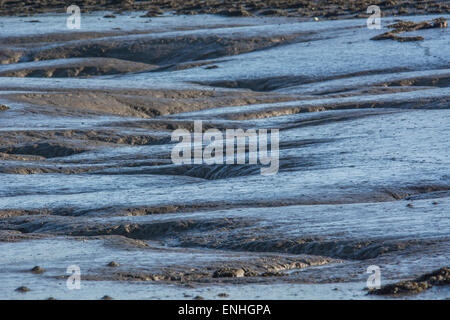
(113, 264)
(223, 295)
(107, 298)
(23, 289)
(272, 274)
(154, 12)
(235, 12)
(198, 298)
(37, 270)
(229, 273)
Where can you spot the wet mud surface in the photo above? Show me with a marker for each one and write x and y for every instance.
(438, 277)
(86, 118)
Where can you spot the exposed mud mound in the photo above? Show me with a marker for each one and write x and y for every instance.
(209, 172)
(440, 277)
(430, 81)
(355, 250)
(78, 68)
(8, 56)
(280, 82)
(91, 137)
(184, 66)
(145, 231)
(233, 271)
(144, 103)
(406, 26)
(265, 84)
(161, 51)
(277, 112)
(44, 149)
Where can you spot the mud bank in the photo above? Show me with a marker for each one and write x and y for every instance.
(439, 277)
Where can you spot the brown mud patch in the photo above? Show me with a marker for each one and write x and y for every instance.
(87, 137)
(44, 149)
(160, 51)
(252, 269)
(280, 82)
(276, 83)
(408, 26)
(338, 249)
(431, 103)
(440, 277)
(16, 236)
(143, 103)
(86, 68)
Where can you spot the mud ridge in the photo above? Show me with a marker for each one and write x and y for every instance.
(75, 68)
(159, 51)
(43, 149)
(349, 250)
(440, 277)
(150, 231)
(407, 26)
(280, 82)
(143, 104)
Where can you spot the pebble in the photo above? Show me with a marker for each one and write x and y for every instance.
(113, 264)
(37, 270)
(223, 295)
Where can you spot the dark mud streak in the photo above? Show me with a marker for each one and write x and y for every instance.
(280, 82)
(87, 68)
(407, 26)
(440, 277)
(431, 103)
(44, 149)
(353, 250)
(159, 51)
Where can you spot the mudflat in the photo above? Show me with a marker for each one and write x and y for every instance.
(87, 179)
